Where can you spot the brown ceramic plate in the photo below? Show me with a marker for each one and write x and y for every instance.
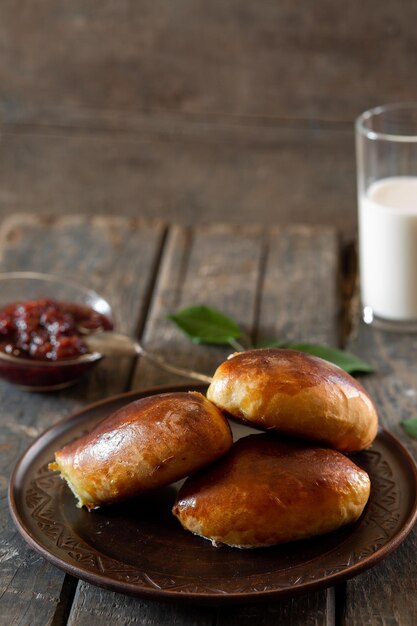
(139, 548)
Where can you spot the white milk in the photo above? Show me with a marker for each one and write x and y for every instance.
(388, 247)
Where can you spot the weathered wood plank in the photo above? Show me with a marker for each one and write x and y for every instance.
(300, 294)
(185, 173)
(308, 610)
(217, 266)
(229, 268)
(298, 297)
(394, 389)
(260, 59)
(98, 606)
(117, 257)
(230, 75)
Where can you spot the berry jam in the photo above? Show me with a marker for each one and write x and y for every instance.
(47, 330)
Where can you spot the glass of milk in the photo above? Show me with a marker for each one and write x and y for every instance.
(386, 152)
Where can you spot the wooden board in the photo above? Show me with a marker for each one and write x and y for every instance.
(266, 59)
(199, 112)
(279, 281)
(107, 255)
(188, 173)
(394, 389)
(249, 274)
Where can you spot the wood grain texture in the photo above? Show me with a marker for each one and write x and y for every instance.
(300, 294)
(307, 610)
(226, 267)
(189, 173)
(394, 389)
(97, 606)
(108, 255)
(218, 266)
(259, 59)
(115, 256)
(195, 112)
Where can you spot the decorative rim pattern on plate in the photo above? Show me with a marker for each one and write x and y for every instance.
(44, 513)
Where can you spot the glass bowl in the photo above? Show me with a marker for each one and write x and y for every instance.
(44, 375)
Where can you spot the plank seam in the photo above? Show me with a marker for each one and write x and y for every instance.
(263, 260)
(141, 323)
(349, 294)
(65, 601)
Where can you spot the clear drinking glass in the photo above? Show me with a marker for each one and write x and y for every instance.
(386, 152)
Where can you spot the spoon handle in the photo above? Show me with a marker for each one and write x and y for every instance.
(109, 343)
(174, 369)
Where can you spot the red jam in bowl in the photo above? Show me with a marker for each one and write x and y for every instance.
(46, 332)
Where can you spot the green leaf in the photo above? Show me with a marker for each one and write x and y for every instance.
(203, 324)
(347, 361)
(410, 426)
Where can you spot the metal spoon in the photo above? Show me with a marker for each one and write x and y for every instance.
(109, 343)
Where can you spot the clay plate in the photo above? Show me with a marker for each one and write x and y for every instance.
(139, 548)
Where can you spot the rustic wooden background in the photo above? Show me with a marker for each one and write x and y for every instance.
(195, 111)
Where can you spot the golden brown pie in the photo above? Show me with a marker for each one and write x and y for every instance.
(267, 491)
(296, 394)
(146, 444)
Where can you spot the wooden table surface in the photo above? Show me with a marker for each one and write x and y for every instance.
(292, 283)
(195, 111)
